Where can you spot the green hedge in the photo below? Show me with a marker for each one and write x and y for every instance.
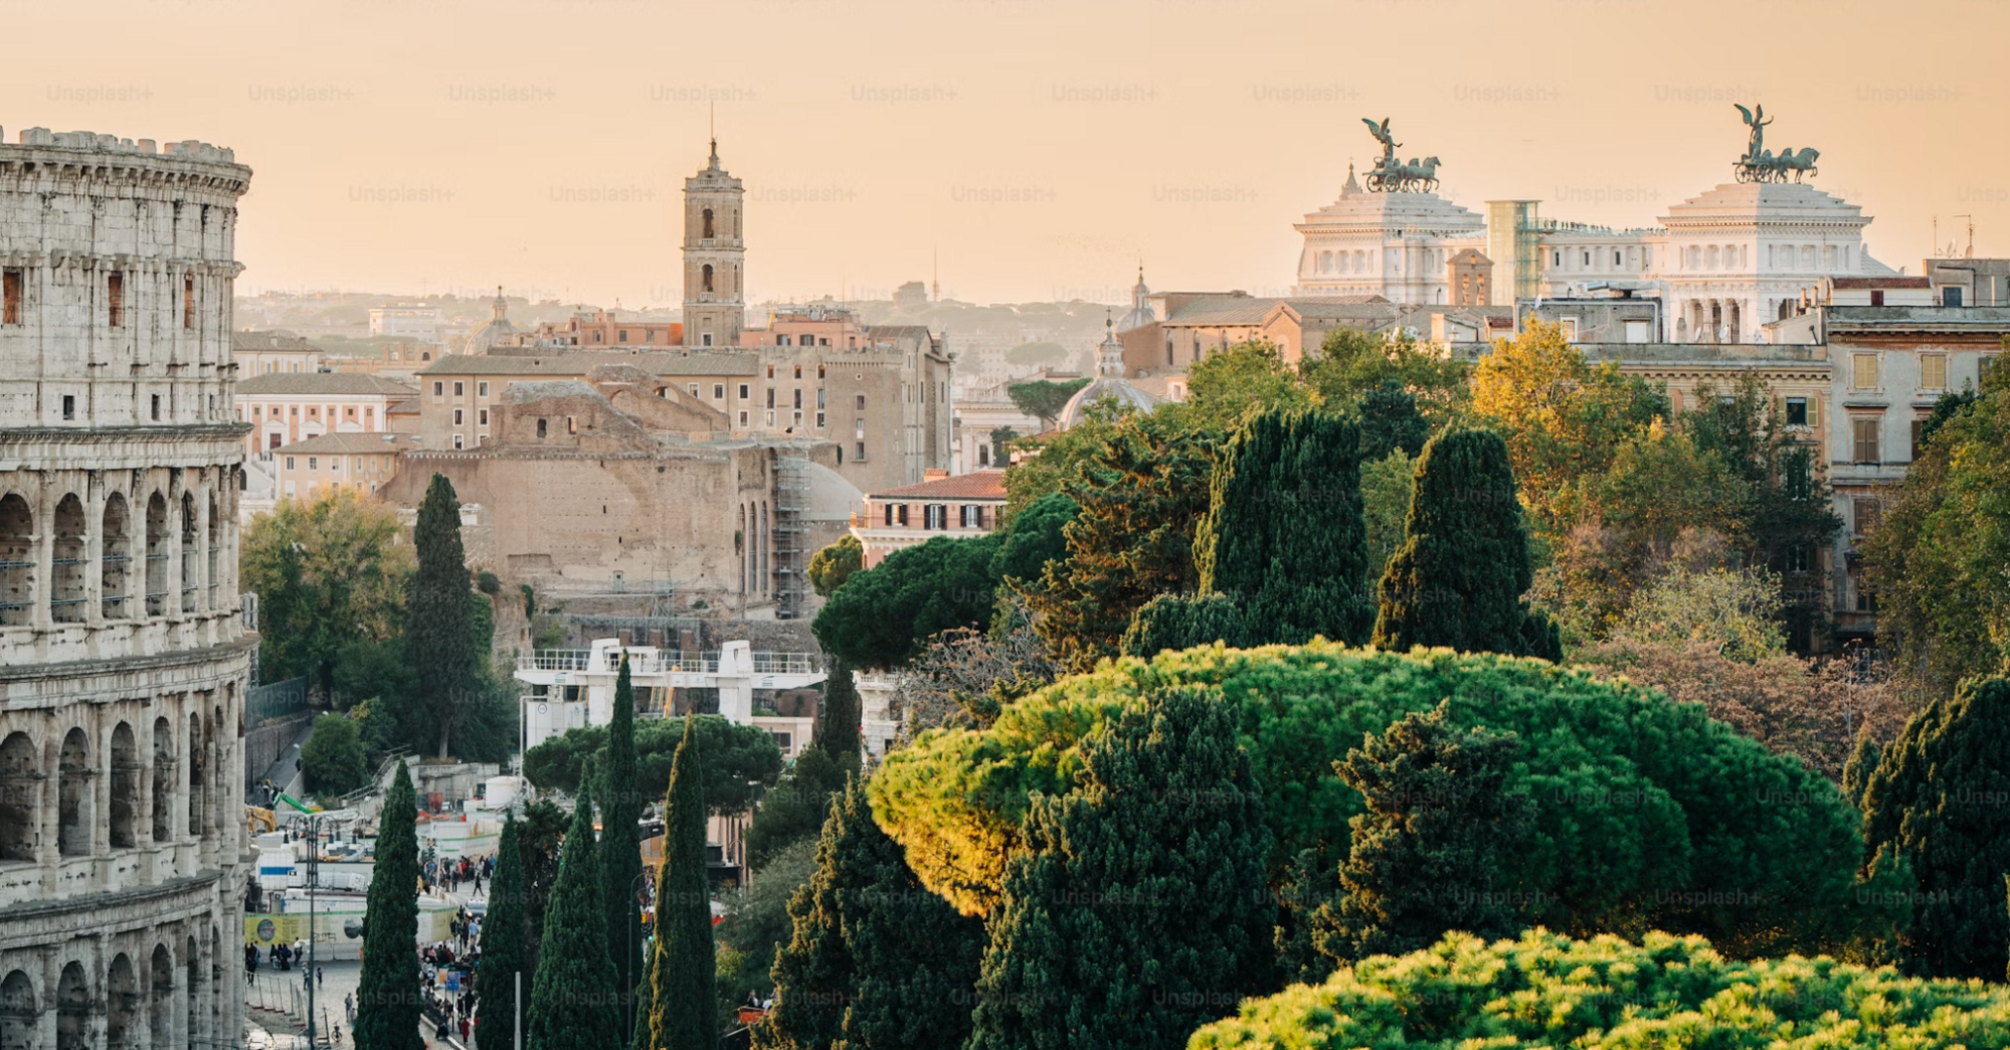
(1667, 992)
(1650, 815)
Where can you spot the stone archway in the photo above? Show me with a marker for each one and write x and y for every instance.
(122, 1002)
(163, 781)
(75, 828)
(19, 798)
(160, 998)
(19, 1015)
(125, 787)
(73, 1009)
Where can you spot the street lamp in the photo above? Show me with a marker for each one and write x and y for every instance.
(313, 878)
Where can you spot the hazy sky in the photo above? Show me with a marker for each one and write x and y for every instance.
(1043, 147)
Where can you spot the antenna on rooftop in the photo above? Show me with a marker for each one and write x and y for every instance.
(1970, 253)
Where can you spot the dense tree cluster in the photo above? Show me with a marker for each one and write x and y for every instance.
(738, 761)
(1546, 990)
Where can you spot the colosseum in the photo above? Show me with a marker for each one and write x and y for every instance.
(123, 655)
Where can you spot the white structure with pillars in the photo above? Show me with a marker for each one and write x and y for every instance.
(572, 688)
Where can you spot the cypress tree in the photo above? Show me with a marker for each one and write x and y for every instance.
(682, 1011)
(1283, 535)
(439, 632)
(1137, 911)
(504, 951)
(1940, 799)
(387, 991)
(574, 1003)
(875, 960)
(1182, 621)
(1458, 578)
(1435, 850)
(1390, 421)
(838, 730)
(621, 845)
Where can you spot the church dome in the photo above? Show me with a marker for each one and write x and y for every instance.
(495, 332)
(1109, 383)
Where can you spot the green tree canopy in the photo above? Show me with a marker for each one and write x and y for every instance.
(1457, 581)
(1043, 399)
(1142, 492)
(1391, 423)
(728, 755)
(622, 796)
(882, 615)
(1385, 502)
(756, 926)
(834, 564)
(1351, 364)
(1035, 537)
(795, 810)
(574, 1001)
(440, 638)
(683, 1000)
(505, 953)
(1935, 558)
(387, 1010)
(839, 718)
(1438, 845)
(872, 959)
(1283, 534)
(1233, 383)
(329, 573)
(1132, 914)
(1939, 802)
(1608, 994)
(1651, 815)
(332, 760)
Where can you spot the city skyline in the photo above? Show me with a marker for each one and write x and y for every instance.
(1039, 152)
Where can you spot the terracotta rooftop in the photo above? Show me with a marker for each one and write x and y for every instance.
(316, 383)
(351, 444)
(1880, 282)
(978, 484)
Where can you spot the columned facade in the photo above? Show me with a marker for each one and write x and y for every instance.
(123, 656)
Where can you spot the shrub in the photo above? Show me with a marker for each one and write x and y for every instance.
(1545, 991)
(332, 759)
(1649, 814)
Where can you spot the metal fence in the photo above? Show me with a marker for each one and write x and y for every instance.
(279, 700)
(660, 662)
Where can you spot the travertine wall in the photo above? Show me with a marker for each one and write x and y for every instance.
(123, 656)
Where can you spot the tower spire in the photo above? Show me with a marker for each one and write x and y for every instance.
(712, 130)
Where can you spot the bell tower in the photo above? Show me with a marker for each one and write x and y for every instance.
(715, 305)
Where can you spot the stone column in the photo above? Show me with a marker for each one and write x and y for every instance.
(42, 577)
(93, 496)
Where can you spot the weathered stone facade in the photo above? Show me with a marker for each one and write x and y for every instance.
(123, 658)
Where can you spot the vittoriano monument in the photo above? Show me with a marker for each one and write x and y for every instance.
(1390, 175)
(1760, 165)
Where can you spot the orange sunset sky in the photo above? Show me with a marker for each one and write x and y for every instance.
(1041, 147)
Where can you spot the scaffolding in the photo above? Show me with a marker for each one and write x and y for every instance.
(791, 540)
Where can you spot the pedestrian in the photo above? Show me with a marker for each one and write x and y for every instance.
(320, 978)
(349, 1006)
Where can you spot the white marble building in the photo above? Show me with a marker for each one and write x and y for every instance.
(123, 655)
(1723, 262)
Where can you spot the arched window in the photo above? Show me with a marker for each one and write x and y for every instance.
(706, 276)
(17, 559)
(198, 795)
(160, 998)
(125, 786)
(69, 565)
(73, 1009)
(194, 990)
(74, 825)
(157, 555)
(163, 781)
(122, 1001)
(189, 552)
(708, 225)
(18, 798)
(18, 1012)
(215, 982)
(113, 556)
(215, 553)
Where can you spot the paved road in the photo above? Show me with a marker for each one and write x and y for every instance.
(338, 979)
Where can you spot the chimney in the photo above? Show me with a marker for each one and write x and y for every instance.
(934, 474)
